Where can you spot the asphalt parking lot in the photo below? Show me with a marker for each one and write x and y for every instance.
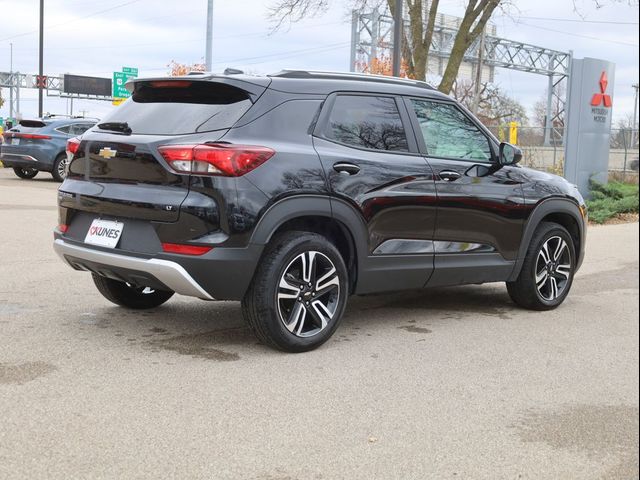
(452, 383)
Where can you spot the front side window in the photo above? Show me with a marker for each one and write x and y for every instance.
(367, 122)
(449, 133)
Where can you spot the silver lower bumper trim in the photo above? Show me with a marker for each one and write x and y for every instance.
(17, 156)
(169, 273)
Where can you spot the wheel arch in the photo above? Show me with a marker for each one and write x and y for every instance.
(331, 218)
(558, 210)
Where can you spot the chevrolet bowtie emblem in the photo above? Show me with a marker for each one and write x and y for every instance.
(107, 152)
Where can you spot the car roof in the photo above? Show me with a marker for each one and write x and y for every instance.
(319, 82)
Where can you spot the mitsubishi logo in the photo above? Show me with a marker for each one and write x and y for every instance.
(602, 98)
(106, 152)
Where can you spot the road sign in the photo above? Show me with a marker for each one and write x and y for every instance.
(117, 101)
(119, 90)
(130, 70)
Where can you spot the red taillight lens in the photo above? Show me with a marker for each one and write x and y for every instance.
(63, 228)
(185, 249)
(72, 145)
(222, 159)
(32, 136)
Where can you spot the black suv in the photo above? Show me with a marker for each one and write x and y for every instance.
(293, 191)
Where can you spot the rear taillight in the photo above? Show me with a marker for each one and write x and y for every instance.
(63, 228)
(222, 159)
(184, 249)
(32, 136)
(72, 145)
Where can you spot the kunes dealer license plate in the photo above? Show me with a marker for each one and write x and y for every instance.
(105, 233)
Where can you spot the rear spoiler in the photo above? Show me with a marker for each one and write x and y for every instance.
(253, 85)
(33, 123)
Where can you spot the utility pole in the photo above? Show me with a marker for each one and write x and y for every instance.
(12, 81)
(40, 60)
(208, 51)
(476, 87)
(634, 127)
(397, 38)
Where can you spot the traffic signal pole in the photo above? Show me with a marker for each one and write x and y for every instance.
(40, 60)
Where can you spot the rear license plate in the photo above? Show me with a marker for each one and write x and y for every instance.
(104, 233)
(15, 141)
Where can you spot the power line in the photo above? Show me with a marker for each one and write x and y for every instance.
(574, 20)
(580, 36)
(73, 20)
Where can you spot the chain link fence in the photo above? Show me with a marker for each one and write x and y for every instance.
(546, 152)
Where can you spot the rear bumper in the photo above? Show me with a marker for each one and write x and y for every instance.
(18, 160)
(221, 274)
(168, 273)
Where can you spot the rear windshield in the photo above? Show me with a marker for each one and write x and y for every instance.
(178, 107)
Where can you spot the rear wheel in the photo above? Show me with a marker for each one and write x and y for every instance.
(26, 173)
(129, 296)
(59, 171)
(298, 294)
(547, 273)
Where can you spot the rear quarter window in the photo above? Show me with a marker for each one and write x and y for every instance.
(160, 108)
(368, 122)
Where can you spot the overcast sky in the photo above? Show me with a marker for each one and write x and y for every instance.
(94, 37)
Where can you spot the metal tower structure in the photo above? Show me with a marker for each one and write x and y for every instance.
(54, 86)
(371, 35)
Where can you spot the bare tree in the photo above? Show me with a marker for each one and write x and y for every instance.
(495, 106)
(417, 42)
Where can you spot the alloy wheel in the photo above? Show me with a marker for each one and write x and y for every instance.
(553, 268)
(62, 169)
(308, 294)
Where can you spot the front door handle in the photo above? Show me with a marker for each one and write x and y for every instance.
(348, 168)
(449, 175)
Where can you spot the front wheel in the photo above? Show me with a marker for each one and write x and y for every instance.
(298, 294)
(129, 296)
(547, 272)
(25, 173)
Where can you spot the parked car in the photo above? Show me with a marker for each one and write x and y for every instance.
(291, 192)
(39, 145)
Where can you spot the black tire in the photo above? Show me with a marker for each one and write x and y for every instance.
(128, 296)
(59, 171)
(541, 295)
(265, 309)
(25, 173)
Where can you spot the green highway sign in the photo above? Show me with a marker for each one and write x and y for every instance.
(119, 90)
(130, 70)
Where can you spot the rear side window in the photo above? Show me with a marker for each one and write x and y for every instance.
(367, 122)
(64, 129)
(178, 107)
(79, 128)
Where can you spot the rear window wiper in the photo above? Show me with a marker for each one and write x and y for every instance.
(116, 127)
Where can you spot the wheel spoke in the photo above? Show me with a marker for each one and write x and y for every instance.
(308, 260)
(327, 282)
(287, 291)
(296, 318)
(553, 288)
(559, 249)
(321, 312)
(544, 253)
(541, 279)
(564, 270)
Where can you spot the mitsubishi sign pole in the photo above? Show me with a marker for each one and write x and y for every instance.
(589, 122)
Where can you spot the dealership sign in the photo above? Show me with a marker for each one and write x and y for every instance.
(588, 121)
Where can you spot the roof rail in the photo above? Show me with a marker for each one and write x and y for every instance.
(362, 77)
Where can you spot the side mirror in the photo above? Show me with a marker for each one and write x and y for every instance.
(509, 154)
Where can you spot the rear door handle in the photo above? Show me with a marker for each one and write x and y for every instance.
(449, 175)
(343, 167)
